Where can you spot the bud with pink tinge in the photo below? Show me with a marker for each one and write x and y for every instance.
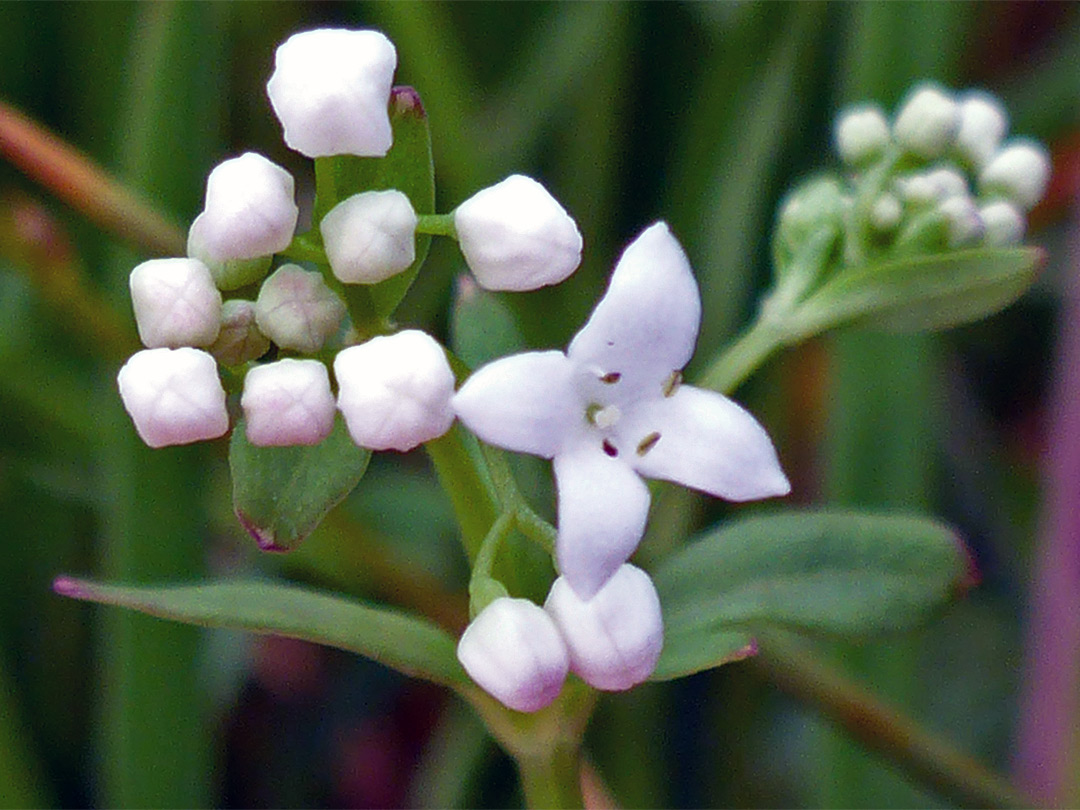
(331, 91)
(394, 391)
(515, 653)
(615, 637)
(370, 237)
(515, 236)
(240, 339)
(1020, 172)
(176, 303)
(249, 215)
(288, 402)
(173, 396)
(296, 309)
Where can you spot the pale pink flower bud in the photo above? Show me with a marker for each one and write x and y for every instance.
(176, 303)
(370, 236)
(927, 123)
(615, 637)
(1020, 172)
(296, 309)
(515, 653)
(287, 402)
(331, 91)
(515, 236)
(394, 391)
(861, 134)
(965, 224)
(1003, 222)
(173, 396)
(249, 215)
(240, 339)
(983, 123)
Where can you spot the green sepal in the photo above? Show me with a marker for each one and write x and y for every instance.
(407, 167)
(827, 572)
(410, 644)
(919, 294)
(280, 494)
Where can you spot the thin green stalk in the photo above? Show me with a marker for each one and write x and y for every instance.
(553, 780)
(472, 494)
(436, 225)
(743, 357)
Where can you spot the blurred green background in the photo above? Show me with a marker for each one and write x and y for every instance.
(700, 114)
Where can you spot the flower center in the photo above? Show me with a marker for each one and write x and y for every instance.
(602, 416)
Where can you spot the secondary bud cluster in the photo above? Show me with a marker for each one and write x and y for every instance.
(521, 654)
(950, 180)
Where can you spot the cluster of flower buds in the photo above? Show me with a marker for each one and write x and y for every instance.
(521, 653)
(608, 411)
(943, 175)
(331, 90)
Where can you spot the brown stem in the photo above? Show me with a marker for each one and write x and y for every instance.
(84, 185)
(928, 759)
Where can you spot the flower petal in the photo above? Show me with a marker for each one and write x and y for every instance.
(705, 442)
(646, 324)
(526, 403)
(603, 506)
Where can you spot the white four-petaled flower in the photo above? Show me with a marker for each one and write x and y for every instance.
(611, 410)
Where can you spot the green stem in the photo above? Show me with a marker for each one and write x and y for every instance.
(743, 357)
(437, 225)
(472, 494)
(553, 780)
(303, 249)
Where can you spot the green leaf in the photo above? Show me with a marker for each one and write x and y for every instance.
(407, 167)
(280, 494)
(482, 326)
(920, 294)
(409, 644)
(835, 573)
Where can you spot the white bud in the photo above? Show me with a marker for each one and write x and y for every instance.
(927, 123)
(296, 309)
(173, 396)
(176, 303)
(1003, 222)
(614, 638)
(983, 123)
(886, 212)
(394, 391)
(287, 402)
(331, 91)
(861, 134)
(370, 236)
(965, 224)
(240, 339)
(515, 653)
(249, 215)
(1020, 172)
(515, 236)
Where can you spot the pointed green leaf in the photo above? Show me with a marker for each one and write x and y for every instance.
(280, 494)
(409, 644)
(407, 167)
(921, 294)
(836, 573)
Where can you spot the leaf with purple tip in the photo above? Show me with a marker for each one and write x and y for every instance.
(409, 644)
(280, 494)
